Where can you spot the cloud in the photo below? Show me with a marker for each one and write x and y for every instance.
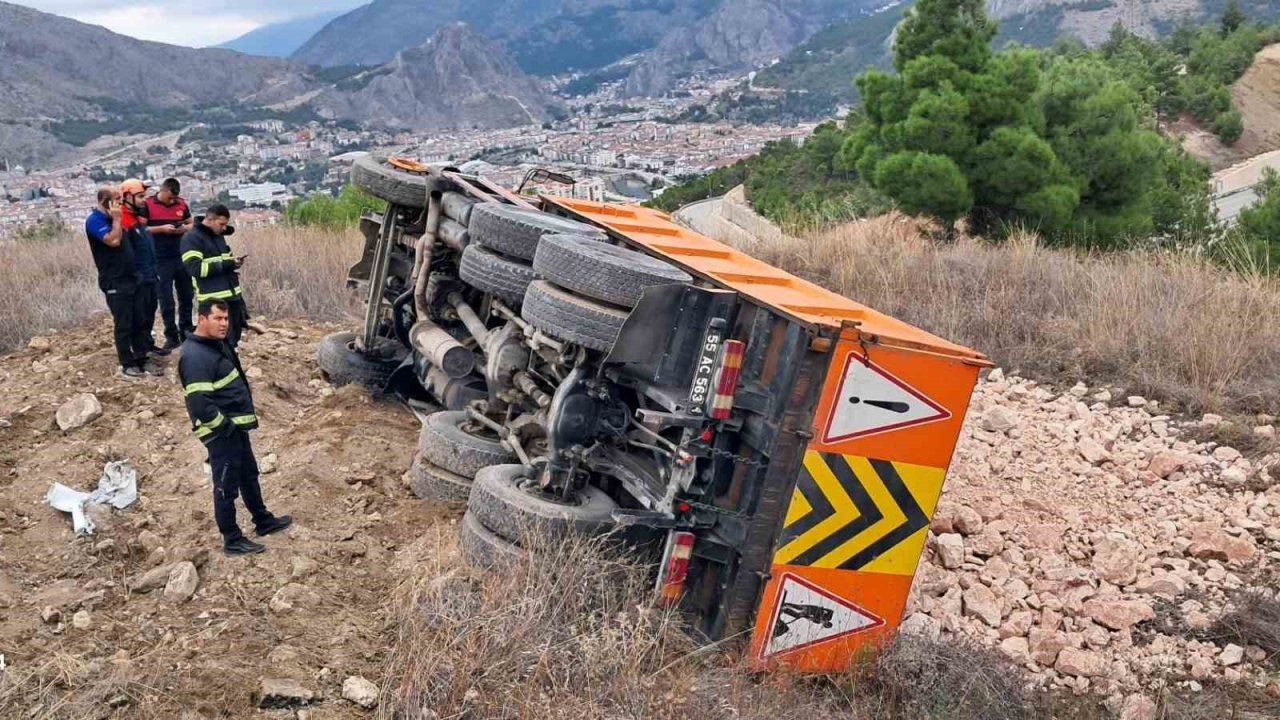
(187, 22)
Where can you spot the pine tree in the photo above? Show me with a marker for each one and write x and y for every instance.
(1233, 17)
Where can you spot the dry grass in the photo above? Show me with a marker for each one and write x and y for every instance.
(290, 273)
(1167, 325)
(572, 635)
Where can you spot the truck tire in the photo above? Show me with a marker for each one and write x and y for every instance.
(558, 313)
(444, 443)
(515, 231)
(488, 271)
(432, 482)
(602, 271)
(342, 365)
(527, 518)
(382, 181)
(485, 549)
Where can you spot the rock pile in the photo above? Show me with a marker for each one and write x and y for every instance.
(1072, 520)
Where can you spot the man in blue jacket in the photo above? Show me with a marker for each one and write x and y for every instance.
(220, 406)
(112, 251)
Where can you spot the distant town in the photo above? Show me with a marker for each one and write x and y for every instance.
(618, 150)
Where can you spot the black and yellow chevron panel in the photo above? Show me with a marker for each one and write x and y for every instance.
(856, 513)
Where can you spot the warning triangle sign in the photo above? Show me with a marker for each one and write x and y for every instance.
(806, 615)
(872, 400)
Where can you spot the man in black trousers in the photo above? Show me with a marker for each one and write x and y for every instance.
(220, 405)
(113, 256)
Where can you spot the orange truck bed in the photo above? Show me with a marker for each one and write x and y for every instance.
(883, 433)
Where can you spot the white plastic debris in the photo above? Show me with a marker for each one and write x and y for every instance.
(118, 487)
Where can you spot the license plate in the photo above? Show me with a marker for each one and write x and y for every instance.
(700, 390)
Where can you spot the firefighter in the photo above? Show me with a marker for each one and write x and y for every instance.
(212, 267)
(220, 405)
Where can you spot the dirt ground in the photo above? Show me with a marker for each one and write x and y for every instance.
(1257, 95)
(340, 460)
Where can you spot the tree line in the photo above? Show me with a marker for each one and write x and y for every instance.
(1063, 141)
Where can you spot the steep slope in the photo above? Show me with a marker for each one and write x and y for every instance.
(54, 69)
(737, 35)
(455, 79)
(1257, 96)
(282, 39)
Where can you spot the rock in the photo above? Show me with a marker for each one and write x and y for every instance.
(981, 603)
(1079, 390)
(950, 551)
(1166, 584)
(81, 620)
(1118, 614)
(1016, 649)
(1081, 663)
(1136, 401)
(149, 541)
(360, 691)
(999, 419)
(276, 693)
(987, 543)
(1226, 454)
(1231, 655)
(283, 655)
(1167, 463)
(183, 580)
(291, 595)
(1116, 560)
(268, 464)
(1103, 396)
(966, 520)
(1138, 707)
(78, 412)
(1211, 420)
(50, 614)
(40, 344)
(1265, 431)
(153, 579)
(1211, 542)
(1018, 625)
(1092, 451)
(996, 375)
(921, 625)
(303, 566)
(1233, 477)
(1045, 645)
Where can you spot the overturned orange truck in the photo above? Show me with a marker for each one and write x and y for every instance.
(774, 450)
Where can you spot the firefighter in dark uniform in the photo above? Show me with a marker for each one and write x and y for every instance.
(212, 267)
(221, 408)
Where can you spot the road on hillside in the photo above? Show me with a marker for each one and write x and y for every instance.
(1230, 205)
(698, 215)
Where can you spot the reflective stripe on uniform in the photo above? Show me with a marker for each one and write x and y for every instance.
(211, 386)
(192, 255)
(244, 419)
(205, 428)
(219, 295)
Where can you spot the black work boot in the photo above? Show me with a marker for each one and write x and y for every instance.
(274, 525)
(242, 546)
(171, 344)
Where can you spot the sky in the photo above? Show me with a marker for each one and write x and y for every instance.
(187, 22)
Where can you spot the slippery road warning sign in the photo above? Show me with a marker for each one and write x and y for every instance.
(806, 615)
(872, 400)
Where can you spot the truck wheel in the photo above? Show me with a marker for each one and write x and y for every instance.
(382, 181)
(528, 517)
(568, 317)
(485, 549)
(515, 231)
(492, 273)
(341, 364)
(431, 482)
(602, 271)
(449, 441)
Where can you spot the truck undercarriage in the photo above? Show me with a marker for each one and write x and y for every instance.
(581, 384)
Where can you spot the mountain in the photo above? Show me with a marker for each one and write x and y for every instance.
(736, 36)
(282, 39)
(57, 70)
(544, 36)
(455, 79)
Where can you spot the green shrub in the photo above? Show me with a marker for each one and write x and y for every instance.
(327, 211)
